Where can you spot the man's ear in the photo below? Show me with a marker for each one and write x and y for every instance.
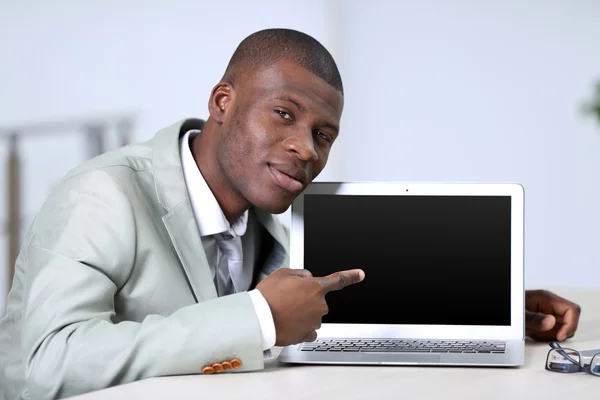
(220, 101)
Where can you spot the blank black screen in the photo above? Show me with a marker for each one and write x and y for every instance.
(428, 259)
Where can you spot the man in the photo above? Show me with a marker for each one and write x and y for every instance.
(165, 257)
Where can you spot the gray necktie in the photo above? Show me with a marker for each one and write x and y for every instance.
(229, 270)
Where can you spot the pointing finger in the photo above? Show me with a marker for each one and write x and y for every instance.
(340, 280)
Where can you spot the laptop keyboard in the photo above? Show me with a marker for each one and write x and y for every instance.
(404, 346)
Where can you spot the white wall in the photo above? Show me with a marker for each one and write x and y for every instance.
(484, 91)
(435, 90)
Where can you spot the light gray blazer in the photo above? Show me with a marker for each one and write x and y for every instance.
(112, 284)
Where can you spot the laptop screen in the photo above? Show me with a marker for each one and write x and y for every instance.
(441, 260)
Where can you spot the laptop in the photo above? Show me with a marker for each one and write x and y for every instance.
(443, 269)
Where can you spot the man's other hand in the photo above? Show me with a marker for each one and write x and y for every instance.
(297, 301)
(549, 317)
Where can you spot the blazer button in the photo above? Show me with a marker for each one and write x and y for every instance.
(217, 367)
(236, 363)
(226, 365)
(208, 370)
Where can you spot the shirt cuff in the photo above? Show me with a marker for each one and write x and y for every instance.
(265, 318)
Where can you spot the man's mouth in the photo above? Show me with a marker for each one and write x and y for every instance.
(288, 177)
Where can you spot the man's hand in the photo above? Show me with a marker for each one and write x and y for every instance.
(297, 301)
(549, 317)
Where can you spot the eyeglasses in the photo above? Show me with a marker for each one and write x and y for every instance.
(565, 360)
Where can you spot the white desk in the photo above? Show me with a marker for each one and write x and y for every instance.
(282, 382)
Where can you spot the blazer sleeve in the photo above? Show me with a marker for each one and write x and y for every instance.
(78, 254)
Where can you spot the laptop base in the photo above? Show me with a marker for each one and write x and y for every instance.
(512, 357)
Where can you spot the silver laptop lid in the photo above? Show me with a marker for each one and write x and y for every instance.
(441, 260)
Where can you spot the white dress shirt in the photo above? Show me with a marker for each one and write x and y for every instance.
(231, 249)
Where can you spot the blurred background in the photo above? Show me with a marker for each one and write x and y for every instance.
(468, 90)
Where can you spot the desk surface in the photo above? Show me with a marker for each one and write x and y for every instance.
(278, 381)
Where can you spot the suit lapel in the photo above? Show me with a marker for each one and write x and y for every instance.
(274, 227)
(179, 220)
(183, 231)
(279, 254)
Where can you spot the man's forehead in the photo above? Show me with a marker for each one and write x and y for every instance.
(302, 86)
(306, 95)
(285, 72)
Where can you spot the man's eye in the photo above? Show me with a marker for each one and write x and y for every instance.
(284, 114)
(324, 136)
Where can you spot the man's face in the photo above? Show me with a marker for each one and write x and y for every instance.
(279, 127)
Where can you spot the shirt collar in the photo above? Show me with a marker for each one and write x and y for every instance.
(208, 213)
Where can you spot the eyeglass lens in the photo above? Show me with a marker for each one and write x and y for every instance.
(595, 365)
(565, 360)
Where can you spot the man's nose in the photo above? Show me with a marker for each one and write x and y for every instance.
(303, 145)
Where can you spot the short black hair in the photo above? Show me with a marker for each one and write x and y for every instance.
(266, 47)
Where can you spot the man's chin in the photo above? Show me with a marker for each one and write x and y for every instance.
(274, 207)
